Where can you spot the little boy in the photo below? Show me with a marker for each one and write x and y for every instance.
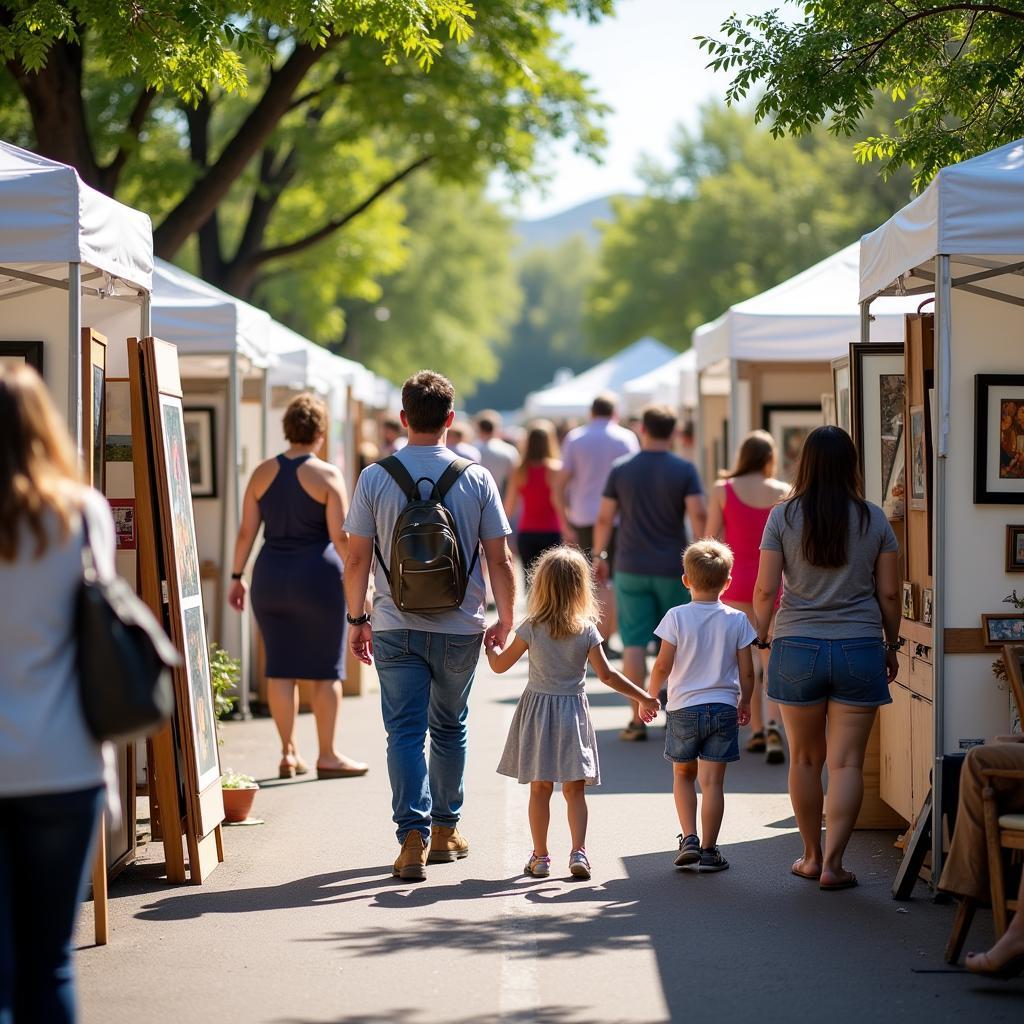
(705, 656)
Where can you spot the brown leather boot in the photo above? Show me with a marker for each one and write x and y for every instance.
(412, 861)
(447, 844)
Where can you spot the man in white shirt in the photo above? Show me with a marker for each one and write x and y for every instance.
(587, 456)
(498, 457)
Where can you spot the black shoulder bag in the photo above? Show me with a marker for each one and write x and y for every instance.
(124, 656)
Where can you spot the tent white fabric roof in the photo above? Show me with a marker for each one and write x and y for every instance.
(674, 383)
(975, 208)
(573, 397)
(52, 217)
(203, 321)
(811, 317)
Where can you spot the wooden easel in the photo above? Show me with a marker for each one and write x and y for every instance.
(180, 809)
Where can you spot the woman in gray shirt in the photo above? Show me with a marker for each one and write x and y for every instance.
(830, 669)
(51, 768)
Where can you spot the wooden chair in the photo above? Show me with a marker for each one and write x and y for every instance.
(1002, 831)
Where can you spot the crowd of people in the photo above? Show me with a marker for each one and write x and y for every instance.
(615, 534)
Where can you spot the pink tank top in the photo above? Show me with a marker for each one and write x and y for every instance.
(744, 527)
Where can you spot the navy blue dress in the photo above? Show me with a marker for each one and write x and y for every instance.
(297, 593)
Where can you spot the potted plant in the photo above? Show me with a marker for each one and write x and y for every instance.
(239, 790)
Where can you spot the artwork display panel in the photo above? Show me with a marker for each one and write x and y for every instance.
(789, 425)
(999, 439)
(878, 397)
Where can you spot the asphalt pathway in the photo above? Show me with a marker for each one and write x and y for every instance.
(303, 923)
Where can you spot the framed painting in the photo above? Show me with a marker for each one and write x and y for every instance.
(94, 405)
(789, 425)
(917, 451)
(999, 439)
(894, 500)
(843, 397)
(878, 385)
(201, 448)
(1015, 548)
(18, 353)
(1002, 629)
(927, 605)
(909, 606)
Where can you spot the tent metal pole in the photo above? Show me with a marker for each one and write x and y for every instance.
(265, 396)
(865, 320)
(75, 353)
(732, 441)
(146, 315)
(943, 366)
(233, 512)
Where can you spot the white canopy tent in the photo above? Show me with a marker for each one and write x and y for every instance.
(963, 237)
(673, 383)
(574, 396)
(58, 233)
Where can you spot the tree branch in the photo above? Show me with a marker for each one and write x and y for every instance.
(328, 229)
(200, 202)
(136, 120)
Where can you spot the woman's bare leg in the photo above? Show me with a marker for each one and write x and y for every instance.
(540, 815)
(283, 697)
(849, 728)
(805, 726)
(326, 709)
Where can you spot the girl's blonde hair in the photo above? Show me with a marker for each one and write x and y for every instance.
(562, 595)
(38, 468)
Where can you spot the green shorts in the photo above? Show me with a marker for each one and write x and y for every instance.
(642, 602)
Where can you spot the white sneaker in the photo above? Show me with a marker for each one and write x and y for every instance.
(579, 866)
(539, 867)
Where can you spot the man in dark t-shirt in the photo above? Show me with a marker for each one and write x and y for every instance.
(653, 493)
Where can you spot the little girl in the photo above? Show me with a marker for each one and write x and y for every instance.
(552, 738)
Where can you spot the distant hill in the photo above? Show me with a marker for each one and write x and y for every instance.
(577, 220)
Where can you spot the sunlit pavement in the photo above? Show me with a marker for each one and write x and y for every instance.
(303, 923)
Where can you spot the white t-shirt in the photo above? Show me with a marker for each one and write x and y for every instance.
(707, 636)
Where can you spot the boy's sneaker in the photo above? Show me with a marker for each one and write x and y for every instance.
(579, 866)
(539, 867)
(634, 732)
(689, 851)
(711, 859)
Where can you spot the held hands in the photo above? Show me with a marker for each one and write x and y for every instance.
(495, 637)
(648, 709)
(236, 595)
(743, 712)
(601, 571)
(360, 642)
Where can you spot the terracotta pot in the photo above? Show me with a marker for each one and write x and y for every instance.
(238, 803)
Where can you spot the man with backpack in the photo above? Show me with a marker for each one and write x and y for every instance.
(425, 514)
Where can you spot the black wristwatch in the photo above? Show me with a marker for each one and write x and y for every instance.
(765, 645)
(237, 576)
(359, 621)
(894, 645)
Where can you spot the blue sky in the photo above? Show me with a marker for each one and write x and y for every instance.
(646, 66)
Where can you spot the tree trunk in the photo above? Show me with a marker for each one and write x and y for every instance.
(54, 98)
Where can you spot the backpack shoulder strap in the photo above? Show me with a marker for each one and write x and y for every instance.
(394, 469)
(447, 479)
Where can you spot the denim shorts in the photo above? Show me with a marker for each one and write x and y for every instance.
(805, 670)
(708, 731)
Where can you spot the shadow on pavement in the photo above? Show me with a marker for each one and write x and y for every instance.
(533, 1015)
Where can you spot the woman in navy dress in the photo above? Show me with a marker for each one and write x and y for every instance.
(297, 591)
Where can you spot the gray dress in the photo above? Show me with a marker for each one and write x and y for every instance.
(551, 738)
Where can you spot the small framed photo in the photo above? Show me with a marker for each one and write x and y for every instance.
(200, 448)
(999, 439)
(841, 393)
(17, 353)
(927, 601)
(1015, 548)
(1002, 629)
(917, 452)
(909, 604)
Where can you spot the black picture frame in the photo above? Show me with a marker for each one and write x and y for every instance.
(30, 351)
(984, 383)
(859, 352)
(204, 481)
(773, 421)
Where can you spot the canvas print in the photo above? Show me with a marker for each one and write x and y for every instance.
(894, 502)
(1002, 629)
(1011, 438)
(186, 557)
(118, 446)
(201, 695)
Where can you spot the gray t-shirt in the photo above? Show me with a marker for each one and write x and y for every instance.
(476, 506)
(558, 666)
(829, 604)
(651, 489)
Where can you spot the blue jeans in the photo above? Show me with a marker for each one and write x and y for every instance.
(45, 847)
(425, 679)
(806, 670)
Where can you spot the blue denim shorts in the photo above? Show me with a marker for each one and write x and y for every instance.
(804, 670)
(708, 731)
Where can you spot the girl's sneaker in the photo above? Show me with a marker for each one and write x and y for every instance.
(689, 851)
(711, 859)
(579, 866)
(539, 867)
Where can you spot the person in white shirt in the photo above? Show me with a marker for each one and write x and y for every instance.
(706, 660)
(498, 457)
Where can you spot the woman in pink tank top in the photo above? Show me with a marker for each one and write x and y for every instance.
(530, 489)
(738, 509)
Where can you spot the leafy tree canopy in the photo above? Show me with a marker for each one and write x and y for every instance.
(736, 213)
(961, 64)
